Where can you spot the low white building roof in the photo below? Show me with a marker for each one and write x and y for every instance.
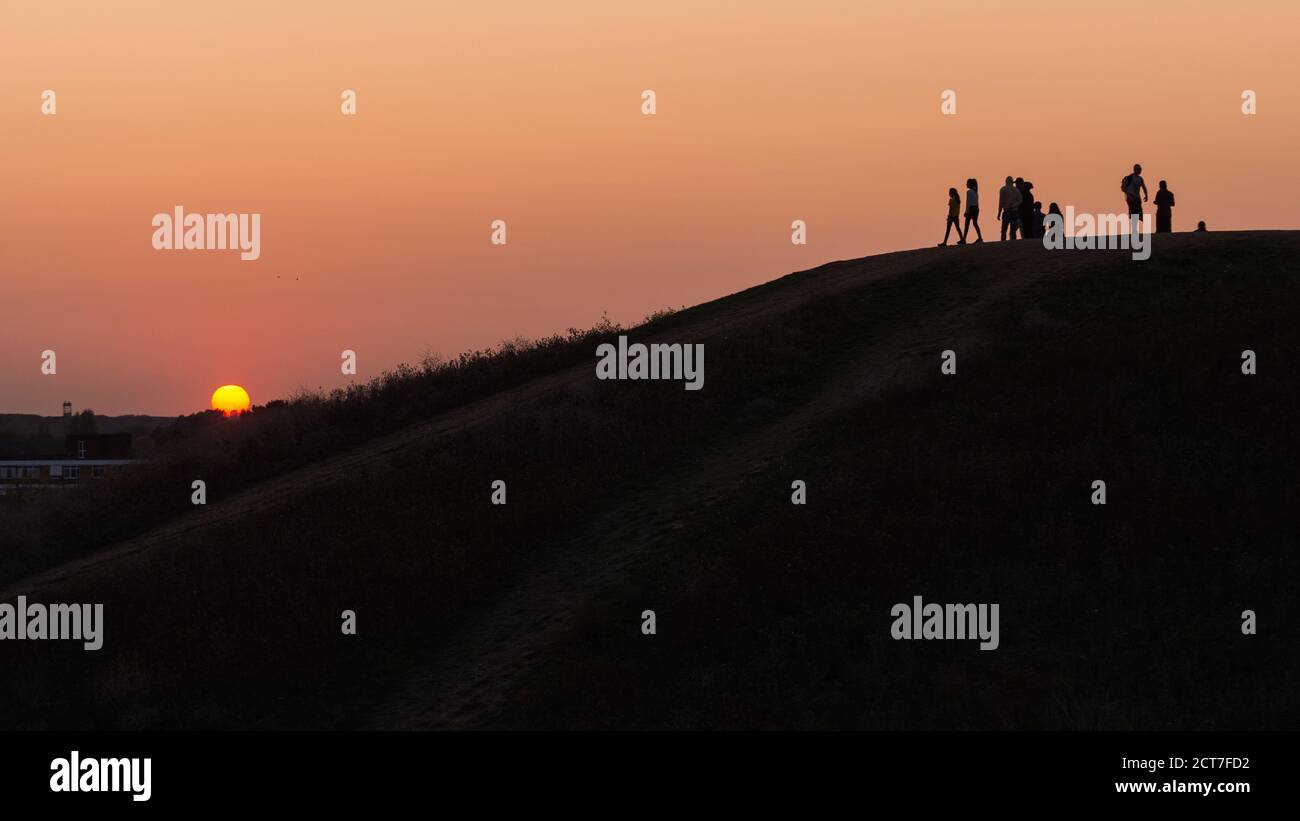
(71, 461)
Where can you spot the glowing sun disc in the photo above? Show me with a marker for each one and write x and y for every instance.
(230, 399)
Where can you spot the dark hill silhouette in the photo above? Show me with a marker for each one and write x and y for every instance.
(625, 496)
(28, 424)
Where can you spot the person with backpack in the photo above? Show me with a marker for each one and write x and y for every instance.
(1009, 209)
(1164, 209)
(1132, 185)
(973, 208)
(954, 209)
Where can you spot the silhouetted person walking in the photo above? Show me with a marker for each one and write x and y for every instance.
(1164, 209)
(973, 209)
(954, 212)
(1009, 209)
(1132, 185)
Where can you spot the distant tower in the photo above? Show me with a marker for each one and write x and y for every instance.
(67, 409)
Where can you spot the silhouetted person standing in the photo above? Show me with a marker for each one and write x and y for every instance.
(1200, 226)
(1019, 183)
(1164, 209)
(1038, 221)
(1133, 185)
(1009, 209)
(954, 212)
(973, 209)
(1026, 209)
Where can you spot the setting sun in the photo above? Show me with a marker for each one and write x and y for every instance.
(230, 399)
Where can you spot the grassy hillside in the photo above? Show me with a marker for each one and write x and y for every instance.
(625, 496)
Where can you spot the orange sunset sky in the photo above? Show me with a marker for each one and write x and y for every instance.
(375, 228)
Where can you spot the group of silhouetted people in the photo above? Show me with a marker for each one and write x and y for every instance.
(1019, 213)
(1133, 184)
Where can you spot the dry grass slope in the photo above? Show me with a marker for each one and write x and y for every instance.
(625, 496)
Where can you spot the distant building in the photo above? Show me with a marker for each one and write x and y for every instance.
(97, 445)
(87, 456)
